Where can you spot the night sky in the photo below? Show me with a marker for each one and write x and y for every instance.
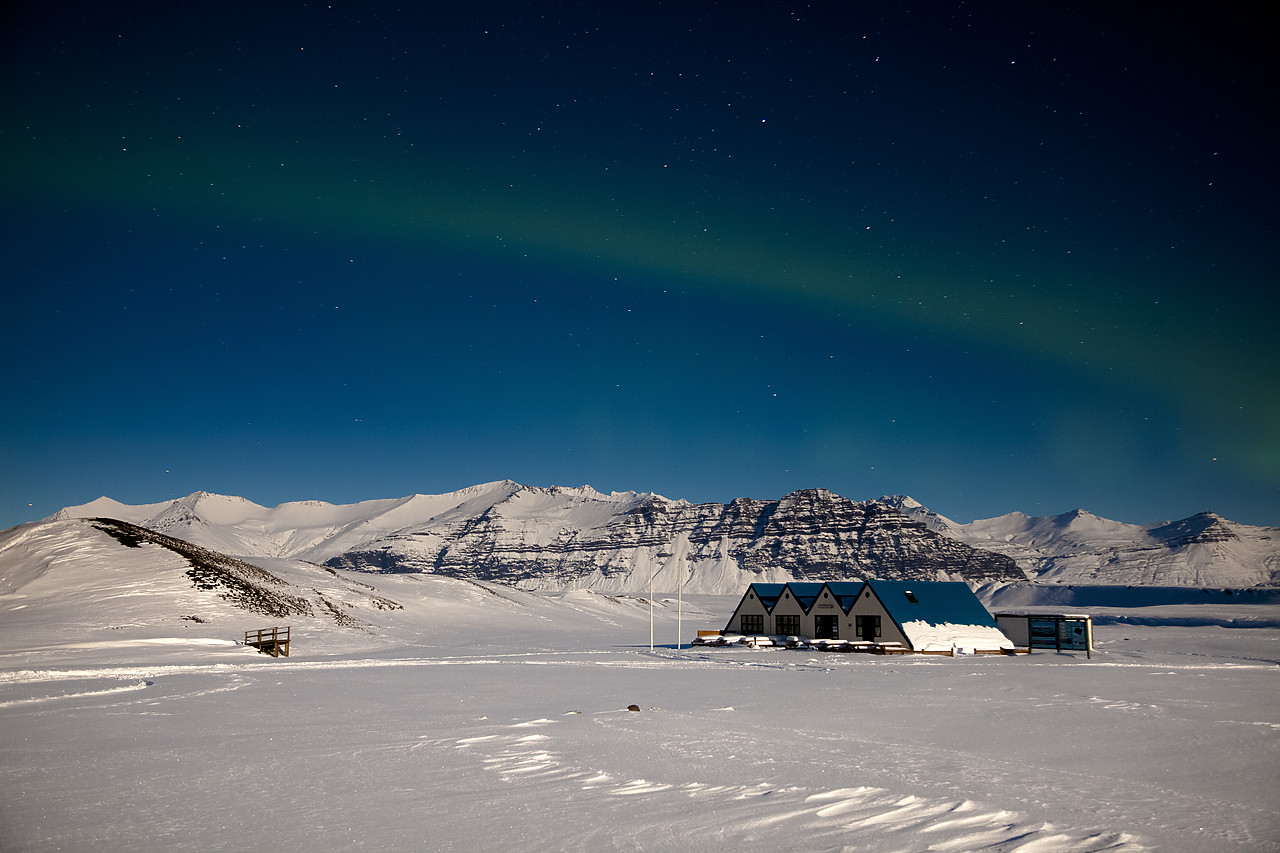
(996, 256)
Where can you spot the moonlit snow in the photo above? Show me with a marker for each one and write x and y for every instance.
(480, 718)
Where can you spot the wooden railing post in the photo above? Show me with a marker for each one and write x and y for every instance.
(271, 641)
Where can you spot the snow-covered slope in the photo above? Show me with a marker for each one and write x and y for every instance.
(304, 530)
(561, 538)
(577, 538)
(123, 575)
(571, 539)
(918, 512)
(90, 587)
(1078, 547)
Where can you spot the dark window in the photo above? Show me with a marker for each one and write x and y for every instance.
(1044, 633)
(826, 627)
(1057, 633)
(788, 624)
(867, 627)
(911, 596)
(752, 623)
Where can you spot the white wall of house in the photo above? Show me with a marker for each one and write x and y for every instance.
(826, 605)
(869, 605)
(752, 606)
(787, 606)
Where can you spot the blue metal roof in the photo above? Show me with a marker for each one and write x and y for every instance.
(845, 592)
(806, 593)
(768, 593)
(932, 602)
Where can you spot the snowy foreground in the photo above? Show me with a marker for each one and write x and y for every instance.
(504, 725)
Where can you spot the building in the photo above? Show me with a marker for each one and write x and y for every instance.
(922, 616)
(1058, 631)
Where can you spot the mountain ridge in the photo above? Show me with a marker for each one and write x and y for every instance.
(1078, 547)
(559, 538)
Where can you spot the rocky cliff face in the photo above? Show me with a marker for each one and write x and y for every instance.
(576, 538)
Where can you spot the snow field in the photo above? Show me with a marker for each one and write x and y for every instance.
(1168, 739)
(477, 717)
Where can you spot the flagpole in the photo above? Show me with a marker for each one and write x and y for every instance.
(680, 612)
(648, 563)
(652, 575)
(680, 617)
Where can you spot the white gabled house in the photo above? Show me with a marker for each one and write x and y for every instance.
(921, 616)
(754, 614)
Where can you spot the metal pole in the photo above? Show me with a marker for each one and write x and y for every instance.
(649, 565)
(680, 611)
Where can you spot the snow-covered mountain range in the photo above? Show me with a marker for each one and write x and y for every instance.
(1079, 547)
(577, 538)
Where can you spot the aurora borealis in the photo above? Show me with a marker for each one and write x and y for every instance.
(990, 256)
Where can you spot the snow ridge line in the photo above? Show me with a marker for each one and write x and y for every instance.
(746, 813)
(40, 700)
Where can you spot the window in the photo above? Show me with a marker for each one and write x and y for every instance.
(867, 627)
(788, 624)
(826, 627)
(752, 624)
(1056, 632)
(911, 596)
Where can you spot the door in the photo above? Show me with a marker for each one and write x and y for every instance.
(826, 627)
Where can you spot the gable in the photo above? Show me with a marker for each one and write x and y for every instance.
(805, 594)
(767, 593)
(759, 598)
(845, 592)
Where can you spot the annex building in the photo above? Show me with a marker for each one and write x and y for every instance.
(920, 616)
